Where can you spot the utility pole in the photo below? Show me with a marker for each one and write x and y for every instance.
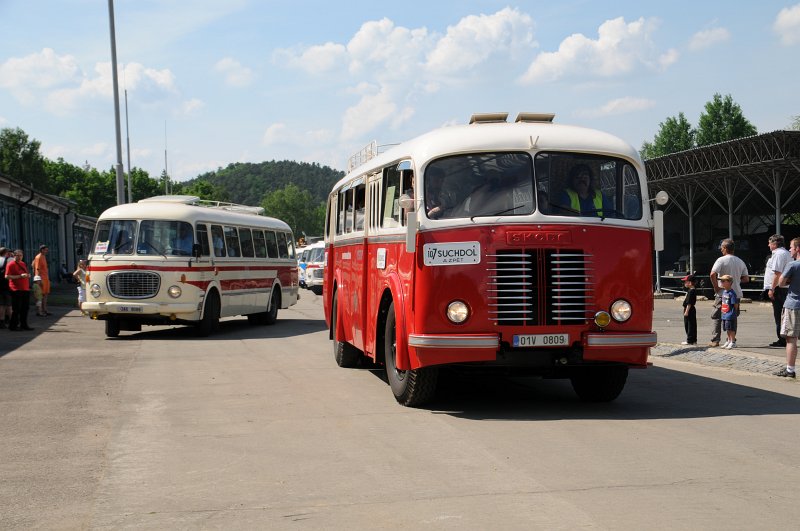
(128, 141)
(118, 166)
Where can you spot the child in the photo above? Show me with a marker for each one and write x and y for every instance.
(729, 310)
(80, 276)
(689, 310)
(38, 295)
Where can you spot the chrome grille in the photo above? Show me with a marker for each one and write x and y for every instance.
(318, 273)
(133, 284)
(535, 287)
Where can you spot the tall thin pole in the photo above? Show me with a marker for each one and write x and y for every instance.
(118, 166)
(166, 171)
(128, 141)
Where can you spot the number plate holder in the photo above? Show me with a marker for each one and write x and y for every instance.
(541, 340)
(130, 309)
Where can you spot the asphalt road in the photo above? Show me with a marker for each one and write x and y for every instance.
(257, 428)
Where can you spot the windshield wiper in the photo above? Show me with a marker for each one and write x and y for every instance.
(153, 247)
(472, 219)
(603, 213)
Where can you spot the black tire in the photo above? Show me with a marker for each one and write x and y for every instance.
(410, 388)
(112, 327)
(210, 321)
(599, 384)
(271, 315)
(345, 354)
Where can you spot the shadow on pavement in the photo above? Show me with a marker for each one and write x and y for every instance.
(232, 329)
(655, 393)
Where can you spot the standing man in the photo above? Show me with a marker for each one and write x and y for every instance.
(790, 321)
(19, 283)
(776, 264)
(40, 269)
(727, 264)
(5, 293)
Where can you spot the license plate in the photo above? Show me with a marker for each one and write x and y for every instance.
(129, 309)
(541, 340)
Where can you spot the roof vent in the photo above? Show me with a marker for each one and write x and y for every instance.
(535, 117)
(488, 117)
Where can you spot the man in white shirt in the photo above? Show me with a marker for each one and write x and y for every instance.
(727, 264)
(777, 262)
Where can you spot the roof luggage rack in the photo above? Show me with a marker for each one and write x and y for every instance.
(196, 201)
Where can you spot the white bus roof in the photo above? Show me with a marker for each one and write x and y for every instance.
(179, 210)
(499, 136)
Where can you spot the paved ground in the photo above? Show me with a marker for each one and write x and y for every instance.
(756, 332)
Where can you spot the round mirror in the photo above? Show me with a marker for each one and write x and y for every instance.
(662, 198)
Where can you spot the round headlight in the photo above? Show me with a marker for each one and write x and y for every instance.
(602, 319)
(621, 310)
(457, 312)
(95, 290)
(174, 292)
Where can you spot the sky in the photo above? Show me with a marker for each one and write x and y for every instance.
(214, 82)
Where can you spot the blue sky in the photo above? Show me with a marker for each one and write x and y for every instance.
(315, 81)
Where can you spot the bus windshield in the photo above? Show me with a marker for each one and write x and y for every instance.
(566, 184)
(149, 237)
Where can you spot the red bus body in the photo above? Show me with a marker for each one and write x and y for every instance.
(538, 277)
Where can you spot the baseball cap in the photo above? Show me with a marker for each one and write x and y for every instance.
(689, 277)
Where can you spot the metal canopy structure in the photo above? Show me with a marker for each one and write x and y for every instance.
(756, 176)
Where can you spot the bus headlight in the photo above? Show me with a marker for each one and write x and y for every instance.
(457, 312)
(95, 290)
(174, 292)
(621, 310)
(602, 319)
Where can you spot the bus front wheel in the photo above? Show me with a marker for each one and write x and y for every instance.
(112, 327)
(210, 321)
(599, 384)
(411, 388)
(345, 354)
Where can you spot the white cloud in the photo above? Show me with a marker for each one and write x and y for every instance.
(618, 106)
(37, 71)
(98, 150)
(317, 59)
(387, 51)
(274, 134)
(191, 106)
(3, 121)
(145, 83)
(476, 37)
(787, 25)
(706, 38)
(375, 107)
(236, 75)
(619, 49)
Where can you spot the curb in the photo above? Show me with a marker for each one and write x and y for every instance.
(717, 357)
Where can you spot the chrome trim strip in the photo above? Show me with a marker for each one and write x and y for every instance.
(621, 340)
(453, 341)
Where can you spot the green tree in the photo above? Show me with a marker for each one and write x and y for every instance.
(21, 160)
(795, 123)
(96, 192)
(203, 189)
(722, 120)
(674, 134)
(297, 208)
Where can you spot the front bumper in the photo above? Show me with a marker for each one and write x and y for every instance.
(133, 309)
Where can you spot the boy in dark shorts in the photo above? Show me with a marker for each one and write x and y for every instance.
(689, 310)
(729, 310)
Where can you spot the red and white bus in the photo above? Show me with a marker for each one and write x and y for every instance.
(470, 245)
(180, 260)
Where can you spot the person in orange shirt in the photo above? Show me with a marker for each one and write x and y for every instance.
(40, 269)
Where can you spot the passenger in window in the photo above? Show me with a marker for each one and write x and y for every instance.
(581, 196)
(438, 199)
(183, 242)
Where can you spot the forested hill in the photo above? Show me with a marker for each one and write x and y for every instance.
(247, 183)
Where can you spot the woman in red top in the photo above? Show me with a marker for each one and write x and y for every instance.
(19, 284)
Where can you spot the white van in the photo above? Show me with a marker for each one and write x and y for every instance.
(315, 267)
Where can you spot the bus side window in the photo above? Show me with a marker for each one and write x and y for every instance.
(391, 198)
(360, 203)
(349, 212)
(260, 244)
(290, 245)
(341, 210)
(201, 236)
(232, 241)
(283, 249)
(246, 239)
(272, 244)
(218, 240)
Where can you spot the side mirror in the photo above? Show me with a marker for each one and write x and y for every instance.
(196, 250)
(662, 198)
(406, 202)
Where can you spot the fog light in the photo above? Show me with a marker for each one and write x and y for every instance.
(457, 312)
(174, 292)
(621, 310)
(95, 290)
(602, 319)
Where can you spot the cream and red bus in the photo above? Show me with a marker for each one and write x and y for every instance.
(181, 260)
(526, 246)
